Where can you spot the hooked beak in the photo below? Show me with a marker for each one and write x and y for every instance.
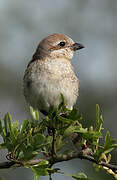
(77, 46)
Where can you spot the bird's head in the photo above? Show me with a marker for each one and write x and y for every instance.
(57, 46)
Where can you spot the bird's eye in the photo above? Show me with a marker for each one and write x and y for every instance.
(62, 43)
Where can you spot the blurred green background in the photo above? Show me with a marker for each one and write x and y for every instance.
(94, 24)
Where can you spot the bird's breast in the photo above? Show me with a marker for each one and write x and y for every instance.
(48, 80)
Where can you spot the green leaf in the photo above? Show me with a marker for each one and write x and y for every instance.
(36, 177)
(28, 152)
(62, 104)
(59, 143)
(49, 139)
(14, 132)
(38, 140)
(7, 133)
(7, 123)
(3, 146)
(97, 112)
(108, 140)
(89, 135)
(52, 171)
(68, 131)
(74, 114)
(0, 126)
(81, 130)
(80, 176)
(42, 163)
(24, 125)
(41, 169)
(34, 113)
(2, 178)
(99, 119)
(108, 147)
(64, 120)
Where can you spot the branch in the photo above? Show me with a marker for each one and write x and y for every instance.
(54, 142)
(71, 156)
(60, 158)
(7, 164)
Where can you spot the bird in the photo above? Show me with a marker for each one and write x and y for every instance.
(50, 73)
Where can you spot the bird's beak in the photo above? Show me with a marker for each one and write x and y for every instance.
(77, 46)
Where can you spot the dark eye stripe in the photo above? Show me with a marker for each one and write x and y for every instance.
(62, 43)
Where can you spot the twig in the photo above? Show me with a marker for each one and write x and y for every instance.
(54, 142)
(7, 164)
(60, 158)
